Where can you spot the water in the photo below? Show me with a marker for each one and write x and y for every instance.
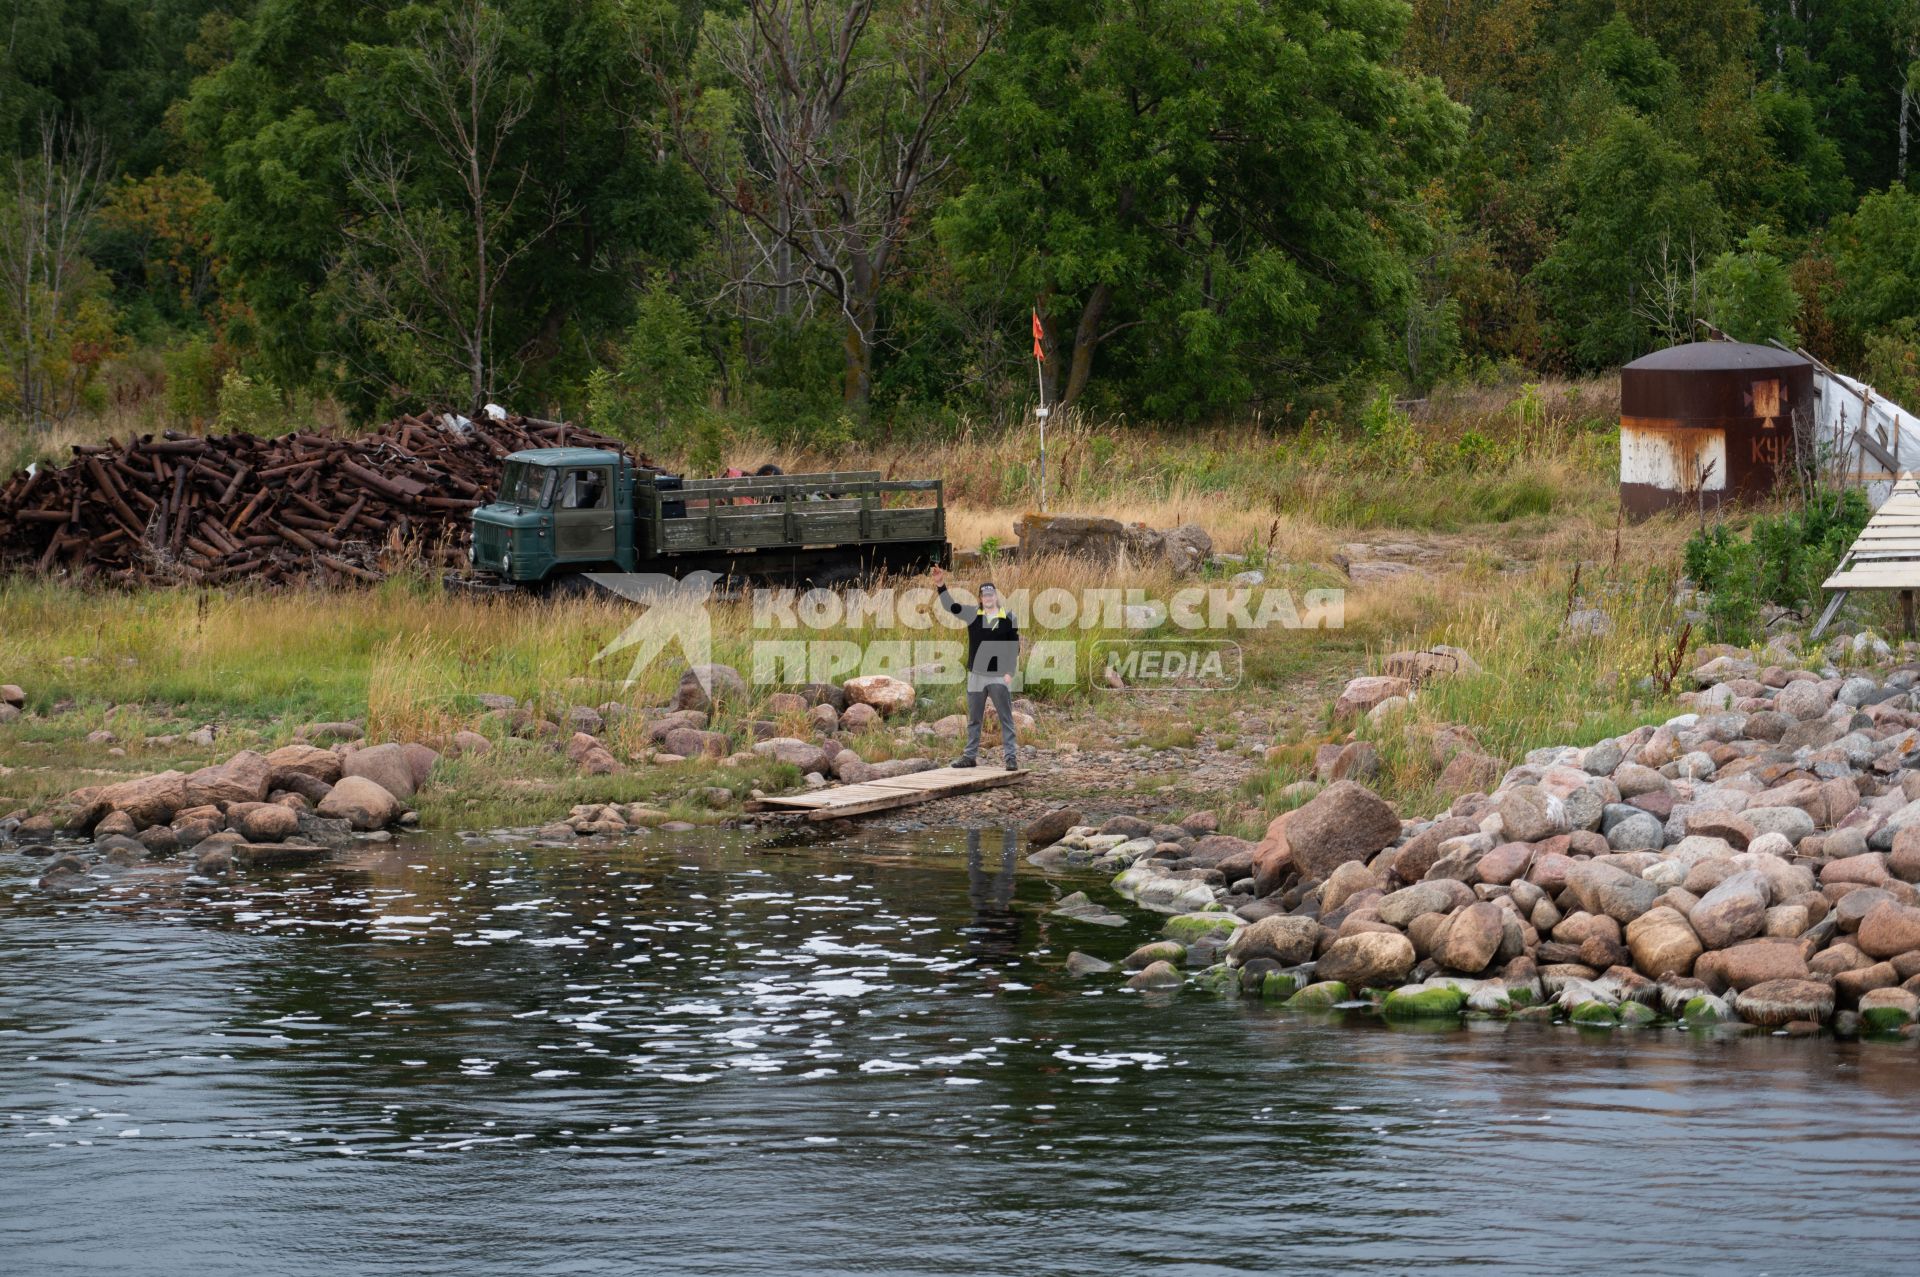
(726, 1054)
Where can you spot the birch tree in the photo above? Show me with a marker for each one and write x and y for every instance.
(50, 197)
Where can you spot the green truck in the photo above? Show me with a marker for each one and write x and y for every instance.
(563, 512)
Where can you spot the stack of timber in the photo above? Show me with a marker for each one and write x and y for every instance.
(307, 506)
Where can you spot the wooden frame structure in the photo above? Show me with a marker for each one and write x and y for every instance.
(1885, 556)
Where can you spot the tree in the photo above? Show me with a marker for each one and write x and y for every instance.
(425, 277)
(50, 198)
(830, 126)
(1166, 171)
(296, 128)
(1749, 292)
(1641, 219)
(1876, 251)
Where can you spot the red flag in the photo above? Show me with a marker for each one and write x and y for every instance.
(1038, 332)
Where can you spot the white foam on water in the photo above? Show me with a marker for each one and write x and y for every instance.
(888, 1066)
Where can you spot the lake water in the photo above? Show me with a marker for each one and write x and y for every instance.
(736, 1053)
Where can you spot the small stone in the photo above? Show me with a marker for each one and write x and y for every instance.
(1080, 965)
(1052, 827)
(1158, 975)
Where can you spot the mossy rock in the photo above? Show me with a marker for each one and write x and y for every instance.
(1595, 1013)
(1155, 951)
(1190, 927)
(1318, 997)
(1542, 1013)
(1636, 1014)
(1418, 1004)
(1705, 1009)
(1884, 1019)
(1280, 985)
(1519, 995)
(1218, 978)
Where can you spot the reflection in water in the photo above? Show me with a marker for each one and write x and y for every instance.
(716, 1055)
(994, 935)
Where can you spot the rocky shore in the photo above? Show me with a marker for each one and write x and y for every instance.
(1754, 860)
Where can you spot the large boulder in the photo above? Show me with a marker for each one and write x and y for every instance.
(149, 800)
(691, 742)
(1441, 895)
(885, 693)
(304, 760)
(1345, 821)
(1734, 910)
(1363, 694)
(264, 822)
(702, 686)
(1272, 856)
(1472, 938)
(1186, 548)
(385, 765)
(1284, 938)
(1603, 888)
(1051, 827)
(1889, 929)
(1418, 854)
(1756, 962)
(363, 803)
(1663, 943)
(1089, 537)
(1531, 814)
(1802, 700)
(805, 755)
(590, 755)
(1367, 959)
(247, 777)
(1776, 1002)
(422, 759)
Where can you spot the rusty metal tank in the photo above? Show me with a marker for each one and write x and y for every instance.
(1709, 422)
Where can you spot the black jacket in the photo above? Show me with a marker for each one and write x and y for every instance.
(993, 647)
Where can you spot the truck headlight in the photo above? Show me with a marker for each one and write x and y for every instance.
(506, 563)
(473, 553)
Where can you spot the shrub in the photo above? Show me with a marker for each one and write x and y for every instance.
(1782, 564)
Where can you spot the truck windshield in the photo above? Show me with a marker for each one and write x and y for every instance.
(525, 484)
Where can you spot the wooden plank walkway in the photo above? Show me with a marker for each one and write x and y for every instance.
(893, 791)
(1885, 556)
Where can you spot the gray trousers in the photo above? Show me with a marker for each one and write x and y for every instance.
(980, 690)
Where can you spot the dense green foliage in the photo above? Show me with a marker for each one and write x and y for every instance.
(821, 219)
(1781, 564)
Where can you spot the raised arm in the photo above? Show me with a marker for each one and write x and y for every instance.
(965, 611)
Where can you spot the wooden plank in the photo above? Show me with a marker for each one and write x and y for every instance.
(890, 792)
(1902, 577)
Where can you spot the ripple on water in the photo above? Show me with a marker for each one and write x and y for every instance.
(504, 1057)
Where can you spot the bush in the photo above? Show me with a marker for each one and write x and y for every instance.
(1783, 563)
(193, 382)
(250, 407)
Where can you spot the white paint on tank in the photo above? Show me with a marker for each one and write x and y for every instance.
(1685, 459)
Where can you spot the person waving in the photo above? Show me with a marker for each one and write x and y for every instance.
(993, 657)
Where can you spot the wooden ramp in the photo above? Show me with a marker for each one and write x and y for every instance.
(1886, 555)
(894, 791)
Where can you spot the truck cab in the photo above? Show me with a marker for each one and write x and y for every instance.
(559, 510)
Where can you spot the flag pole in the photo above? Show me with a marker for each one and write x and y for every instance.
(1040, 379)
